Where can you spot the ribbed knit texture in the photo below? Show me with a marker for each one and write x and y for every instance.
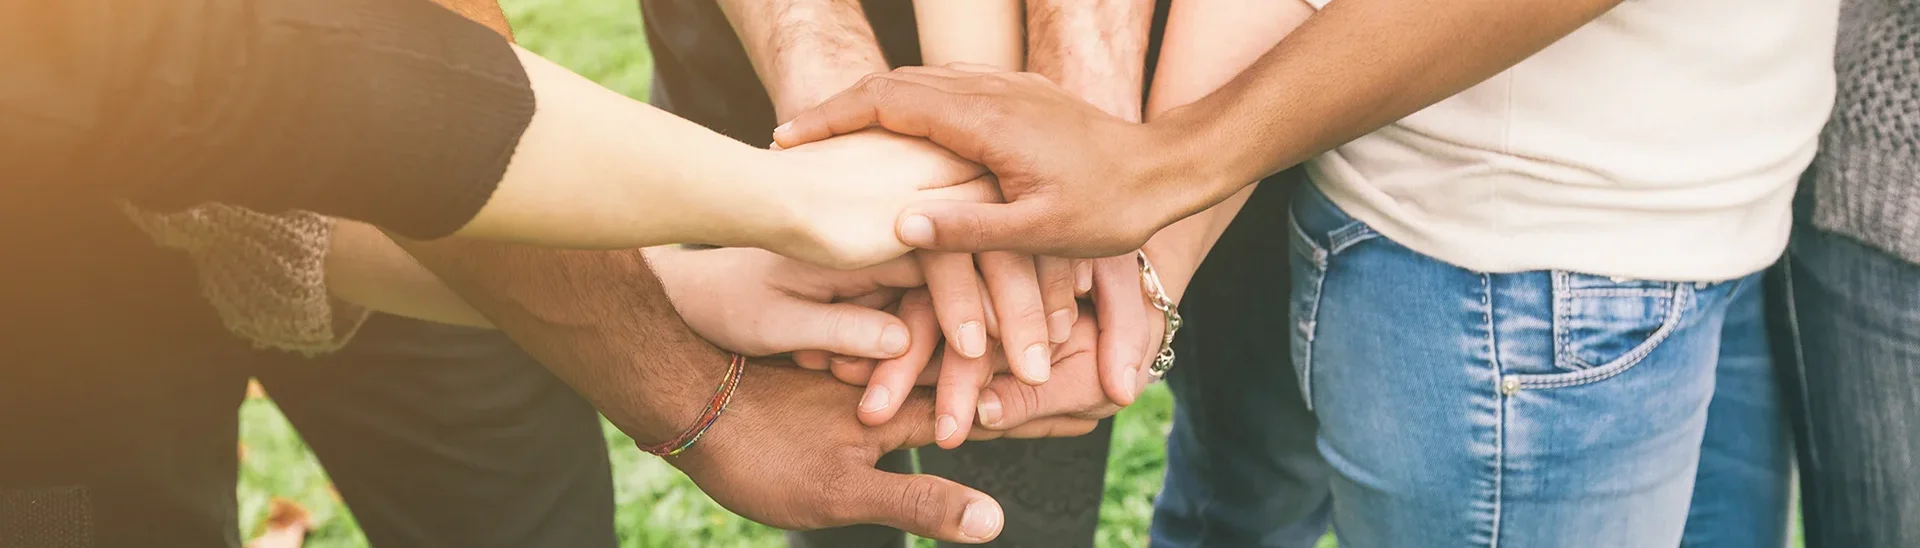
(1867, 176)
(265, 275)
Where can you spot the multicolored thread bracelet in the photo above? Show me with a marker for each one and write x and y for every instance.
(714, 407)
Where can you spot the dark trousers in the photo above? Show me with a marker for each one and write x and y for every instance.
(1850, 328)
(120, 390)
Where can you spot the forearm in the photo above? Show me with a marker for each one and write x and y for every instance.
(1352, 68)
(595, 169)
(1206, 45)
(981, 32)
(805, 50)
(1096, 49)
(599, 320)
(367, 268)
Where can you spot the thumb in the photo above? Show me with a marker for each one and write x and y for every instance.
(845, 329)
(924, 505)
(971, 227)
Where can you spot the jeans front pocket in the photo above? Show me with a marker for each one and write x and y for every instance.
(1603, 326)
(1321, 232)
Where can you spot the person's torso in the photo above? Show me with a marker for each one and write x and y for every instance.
(1659, 141)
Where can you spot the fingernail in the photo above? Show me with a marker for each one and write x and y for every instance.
(1083, 277)
(1131, 377)
(943, 428)
(893, 340)
(875, 400)
(841, 359)
(1059, 325)
(782, 129)
(973, 340)
(916, 231)
(979, 521)
(1039, 362)
(987, 408)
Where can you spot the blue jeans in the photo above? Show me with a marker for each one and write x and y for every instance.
(1532, 409)
(1856, 314)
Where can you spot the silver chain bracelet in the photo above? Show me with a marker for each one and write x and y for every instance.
(1157, 294)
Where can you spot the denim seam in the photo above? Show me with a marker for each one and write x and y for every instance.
(1644, 292)
(1500, 411)
(1317, 254)
(1563, 342)
(1673, 293)
(1347, 236)
(1792, 304)
(1307, 326)
(1681, 300)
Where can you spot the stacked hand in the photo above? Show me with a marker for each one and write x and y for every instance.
(756, 303)
(1080, 182)
(856, 185)
(1060, 364)
(821, 472)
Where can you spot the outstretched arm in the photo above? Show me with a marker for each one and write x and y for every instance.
(1083, 183)
(1207, 44)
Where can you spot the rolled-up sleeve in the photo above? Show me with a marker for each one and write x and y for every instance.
(398, 113)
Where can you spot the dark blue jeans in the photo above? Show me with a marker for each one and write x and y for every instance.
(1241, 465)
(1855, 314)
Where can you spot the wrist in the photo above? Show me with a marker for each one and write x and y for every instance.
(1174, 261)
(759, 206)
(670, 409)
(1185, 163)
(808, 80)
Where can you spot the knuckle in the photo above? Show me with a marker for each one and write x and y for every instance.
(997, 82)
(1022, 402)
(920, 498)
(1034, 314)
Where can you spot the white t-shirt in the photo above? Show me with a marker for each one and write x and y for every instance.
(1661, 141)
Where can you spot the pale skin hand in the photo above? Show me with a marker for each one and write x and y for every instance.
(1069, 405)
(986, 33)
(598, 170)
(587, 316)
(806, 50)
(1206, 44)
(1097, 49)
(745, 300)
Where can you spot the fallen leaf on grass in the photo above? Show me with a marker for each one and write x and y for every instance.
(287, 526)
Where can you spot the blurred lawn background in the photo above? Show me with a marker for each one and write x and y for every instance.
(658, 507)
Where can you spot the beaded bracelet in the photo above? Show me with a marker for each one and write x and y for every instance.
(714, 407)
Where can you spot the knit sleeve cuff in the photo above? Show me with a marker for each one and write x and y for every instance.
(264, 275)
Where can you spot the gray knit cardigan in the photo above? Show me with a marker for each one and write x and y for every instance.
(1867, 175)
